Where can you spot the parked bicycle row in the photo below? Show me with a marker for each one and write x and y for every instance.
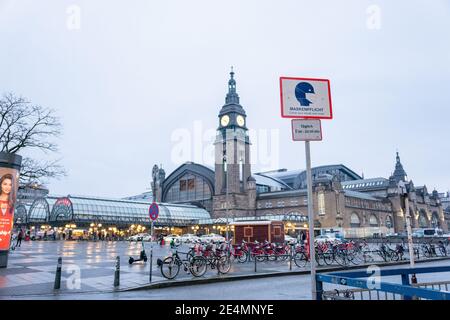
(199, 257)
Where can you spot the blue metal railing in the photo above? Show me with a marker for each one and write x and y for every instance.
(357, 279)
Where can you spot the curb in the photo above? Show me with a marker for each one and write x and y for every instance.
(189, 282)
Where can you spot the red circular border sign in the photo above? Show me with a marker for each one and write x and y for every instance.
(153, 211)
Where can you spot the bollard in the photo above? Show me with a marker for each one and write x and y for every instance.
(58, 274)
(151, 262)
(117, 273)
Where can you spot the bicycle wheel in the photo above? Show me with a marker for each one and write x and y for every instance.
(259, 257)
(340, 258)
(353, 258)
(300, 259)
(283, 256)
(242, 257)
(319, 259)
(271, 257)
(394, 256)
(223, 264)
(198, 266)
(170, 268)
(328, 258)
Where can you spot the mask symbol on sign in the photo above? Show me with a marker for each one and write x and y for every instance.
(301, 89)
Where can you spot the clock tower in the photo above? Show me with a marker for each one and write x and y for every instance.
(233, 181)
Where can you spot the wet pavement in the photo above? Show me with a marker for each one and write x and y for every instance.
(88, 269)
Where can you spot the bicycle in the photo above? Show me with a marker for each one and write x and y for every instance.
(170, 266)
(238, 252)
(219, 259)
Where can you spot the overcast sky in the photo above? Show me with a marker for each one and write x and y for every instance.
(135, 82)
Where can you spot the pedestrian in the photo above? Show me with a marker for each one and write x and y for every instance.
(45, 235)
(19, 238)
(303, 237)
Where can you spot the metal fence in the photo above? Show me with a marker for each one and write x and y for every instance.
(358, 286)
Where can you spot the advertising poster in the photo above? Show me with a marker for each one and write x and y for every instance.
(8, 192)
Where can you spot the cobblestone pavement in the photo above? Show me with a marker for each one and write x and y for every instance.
(88, 267)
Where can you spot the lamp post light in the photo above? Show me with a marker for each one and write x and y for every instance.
(404, 195)
(226, 195)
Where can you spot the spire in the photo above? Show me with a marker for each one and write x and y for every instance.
(399, 173)
(232, 96)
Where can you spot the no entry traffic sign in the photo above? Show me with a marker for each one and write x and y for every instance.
(305, 98)
(153, 211)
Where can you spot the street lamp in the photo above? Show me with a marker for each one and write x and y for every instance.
(226, 197)
(403, 191)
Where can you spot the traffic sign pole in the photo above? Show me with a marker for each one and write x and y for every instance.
(312, 251)
(151, 231)
(307, 100)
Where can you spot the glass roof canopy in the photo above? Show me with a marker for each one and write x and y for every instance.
(78, 209)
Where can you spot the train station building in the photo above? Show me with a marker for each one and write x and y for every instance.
(197, 197)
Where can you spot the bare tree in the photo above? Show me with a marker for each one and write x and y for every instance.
(25, 126)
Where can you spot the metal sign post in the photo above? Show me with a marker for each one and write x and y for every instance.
(312, 249)
(306, 100)
(151, 232)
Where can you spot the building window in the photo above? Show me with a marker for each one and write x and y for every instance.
(277, 231)
(281, 203)
(423, 221)
(373, 221)
(268, 204)
(354, 221)
(321, 200)
(191, 184)
(389, 222)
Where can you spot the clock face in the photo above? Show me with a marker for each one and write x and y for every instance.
(240, 120)
(225, 120)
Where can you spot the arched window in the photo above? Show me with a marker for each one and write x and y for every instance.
(355, 222)
(423, 220)
(435, 220)
(39, 211)
(373, 221)
(389, 223)
(190, 188)
(20, 214)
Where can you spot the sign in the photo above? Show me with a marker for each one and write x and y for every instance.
(9, 182)
(306, 130)
(153, 211)
(305, 98)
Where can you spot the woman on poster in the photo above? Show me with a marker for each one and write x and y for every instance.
(7, 199)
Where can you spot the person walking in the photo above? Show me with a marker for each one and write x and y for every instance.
(303, 237)
(19, 238)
